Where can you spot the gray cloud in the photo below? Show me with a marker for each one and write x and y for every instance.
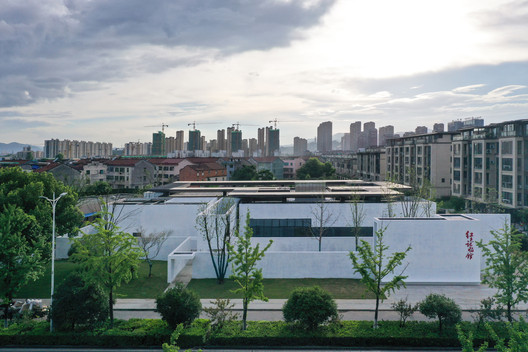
(47, 45)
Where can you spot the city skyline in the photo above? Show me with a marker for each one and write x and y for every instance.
(104, 71)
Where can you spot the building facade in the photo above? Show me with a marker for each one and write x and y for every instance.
(324, 137)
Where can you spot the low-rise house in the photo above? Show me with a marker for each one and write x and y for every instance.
(204, 172)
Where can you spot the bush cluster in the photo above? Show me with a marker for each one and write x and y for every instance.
(178, 305)
(310, 307)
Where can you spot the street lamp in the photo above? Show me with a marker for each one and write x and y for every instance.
(53, 203)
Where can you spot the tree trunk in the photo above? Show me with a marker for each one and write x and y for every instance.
(6, 310)
(244, 313)
(111, 307)
(150, 268)
(509, 312)
(376, 313)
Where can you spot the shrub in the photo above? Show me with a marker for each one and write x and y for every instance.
(405, 310)
(220, 313)
(78, 302)
(310, 307)
(441, 307)
(178, 305)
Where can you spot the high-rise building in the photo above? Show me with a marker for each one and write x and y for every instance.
(170, 144)
(355, 131)
(438, 127)
(228, 141)
(261, 141)
(324, 137)
(76, 149)
(300, 146)
(236, 141)
(385, 132)
(158, 144)
(371, 133)
(180, 136)
(420, 130)
(203, 143)
(272, 142)
(220, 140)
(345, 142)
(195, 140)
(253, 146)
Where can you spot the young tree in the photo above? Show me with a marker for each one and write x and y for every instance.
(506, 267)
(244, 258)
(108, 256)
(214, 222)
(324, 219)
(21, 253)
(373, 266)
(358, 216)
(150, 244)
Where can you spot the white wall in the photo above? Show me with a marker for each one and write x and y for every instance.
(439, 249)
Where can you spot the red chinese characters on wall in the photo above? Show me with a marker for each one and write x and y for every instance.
(469, 245)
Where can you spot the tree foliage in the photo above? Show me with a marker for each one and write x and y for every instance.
(250, 173)
(178, 305)
(107, 256)
(315, 169)
(23, 190)
(99, 188)
(310, 307)
(78, 303)
(244, 258)
(22, 249)
(373, 265)
(214, 222)
(441, 307)
(404, 309)
(506, 267)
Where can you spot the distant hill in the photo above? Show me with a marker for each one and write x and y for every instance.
(10, 148)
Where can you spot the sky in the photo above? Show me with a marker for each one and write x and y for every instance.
(115, 70)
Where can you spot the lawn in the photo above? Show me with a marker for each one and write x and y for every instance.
(281, 288)
(141, 287)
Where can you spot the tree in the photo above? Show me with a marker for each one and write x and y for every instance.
(506, 267)
(324, 219)
(373, 266)
(22, 249)
(264, 175)
(99, 188)
(150, 244)
(108, 256)
(404, 309)
(441, 307)
(245, 173)
(244, 258)
(315, 169)
(78, 302)
(214, 222)
(178, 305)
(23, 190)
(310, 307)
(358, 216)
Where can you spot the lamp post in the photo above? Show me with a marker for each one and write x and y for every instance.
(53, 203)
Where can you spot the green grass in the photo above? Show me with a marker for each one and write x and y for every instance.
(141, 287)
(281, 288)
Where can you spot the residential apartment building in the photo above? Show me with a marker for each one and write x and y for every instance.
(204, 172)
(291, 165)
(300, 146)
(371, 164)
(76, 149)
(414, 159)
(490, 164)
(130, 173)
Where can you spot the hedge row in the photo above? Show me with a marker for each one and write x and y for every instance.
(153, 332)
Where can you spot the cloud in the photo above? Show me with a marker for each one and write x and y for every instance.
(47, 45)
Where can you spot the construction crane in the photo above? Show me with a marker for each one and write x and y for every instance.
(192, 124)
(275, 121)
(163, 125)
(238, 124)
